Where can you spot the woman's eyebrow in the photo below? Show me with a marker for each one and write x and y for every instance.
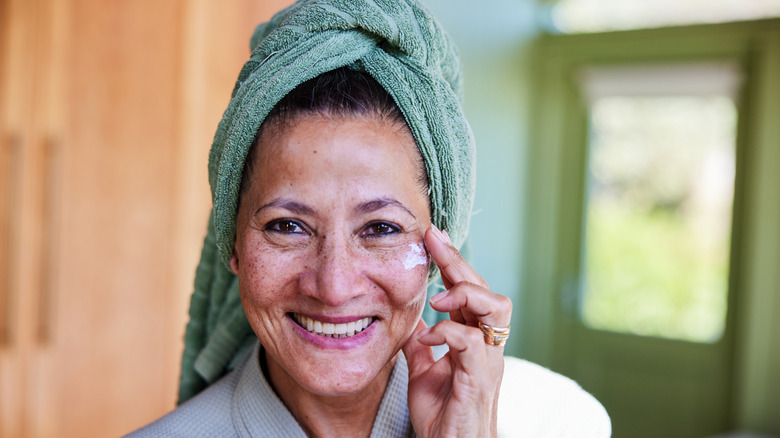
(290, 205)
(379, 203)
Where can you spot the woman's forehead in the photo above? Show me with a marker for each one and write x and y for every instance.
(320, 153)
(337, 140)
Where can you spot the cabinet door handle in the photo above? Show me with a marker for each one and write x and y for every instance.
(10, 169)
(49, 240)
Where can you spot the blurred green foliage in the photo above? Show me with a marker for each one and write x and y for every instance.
(646, 276)
(661, 182)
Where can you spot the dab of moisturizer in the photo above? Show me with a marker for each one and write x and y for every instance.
(415, 257)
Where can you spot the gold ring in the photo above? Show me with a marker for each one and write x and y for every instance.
(494, 335)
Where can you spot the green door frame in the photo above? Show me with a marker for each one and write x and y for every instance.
(555, 197)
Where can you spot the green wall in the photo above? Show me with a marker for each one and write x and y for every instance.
(493, 39)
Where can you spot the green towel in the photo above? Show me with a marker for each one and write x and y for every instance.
(405, 49)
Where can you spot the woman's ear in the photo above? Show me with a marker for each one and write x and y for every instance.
(234, 262)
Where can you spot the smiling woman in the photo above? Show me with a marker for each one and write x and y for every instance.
(331, 209)
(336, 261)
(340, 169)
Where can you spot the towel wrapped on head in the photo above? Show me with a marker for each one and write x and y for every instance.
(398, 43)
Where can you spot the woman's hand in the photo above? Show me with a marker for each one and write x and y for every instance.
(456, 396)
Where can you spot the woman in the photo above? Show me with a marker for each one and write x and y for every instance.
(341, 156)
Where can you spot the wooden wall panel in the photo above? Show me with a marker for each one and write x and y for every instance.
(121, 120)
(12, 394)
(26, 90)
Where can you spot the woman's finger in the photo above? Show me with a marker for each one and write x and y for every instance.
(454, 269)
(475, 304)
(467, 348)
(466, 344)
(418, 356)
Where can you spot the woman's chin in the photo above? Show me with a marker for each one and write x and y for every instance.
(336, 381)
(334, 373)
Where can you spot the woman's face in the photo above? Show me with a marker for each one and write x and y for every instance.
(329, 250)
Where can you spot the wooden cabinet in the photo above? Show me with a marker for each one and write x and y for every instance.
(107, 111)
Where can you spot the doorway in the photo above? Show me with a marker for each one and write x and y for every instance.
(640, 193)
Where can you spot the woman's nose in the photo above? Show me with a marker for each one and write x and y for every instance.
(338, 275)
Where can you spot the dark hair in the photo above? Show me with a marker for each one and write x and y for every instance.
(341, 92)
(338, 93)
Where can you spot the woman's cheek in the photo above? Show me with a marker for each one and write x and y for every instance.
(405, 268)
(267, 274)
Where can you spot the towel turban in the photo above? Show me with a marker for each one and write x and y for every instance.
(400, 45)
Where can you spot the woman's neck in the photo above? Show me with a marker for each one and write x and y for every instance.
(328, 416)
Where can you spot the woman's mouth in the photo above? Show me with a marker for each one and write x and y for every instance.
(341, 330)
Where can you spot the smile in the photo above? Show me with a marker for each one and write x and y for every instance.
(343, 330)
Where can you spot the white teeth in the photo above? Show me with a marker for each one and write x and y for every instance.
(341, 330)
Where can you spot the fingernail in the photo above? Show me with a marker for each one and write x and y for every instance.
(447, 237)
(422, 333)
(437, 232)
(439, 296)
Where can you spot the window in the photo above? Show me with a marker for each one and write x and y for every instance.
(660, 189)
(575, 16)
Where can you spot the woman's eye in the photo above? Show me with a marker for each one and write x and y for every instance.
(376, 229)
(286, 226)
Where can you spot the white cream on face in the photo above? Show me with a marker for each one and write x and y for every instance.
(415, 257)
